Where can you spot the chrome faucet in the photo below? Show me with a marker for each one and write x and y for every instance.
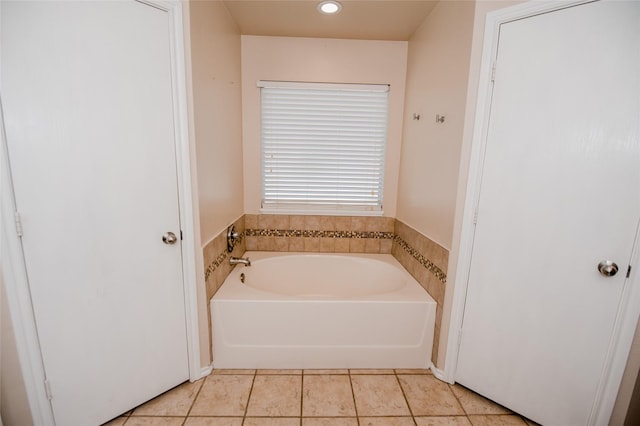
(240, 260)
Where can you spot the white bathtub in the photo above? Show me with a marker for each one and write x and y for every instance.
(307, 310)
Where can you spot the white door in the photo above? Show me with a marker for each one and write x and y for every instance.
(87, 94)
(560, 193)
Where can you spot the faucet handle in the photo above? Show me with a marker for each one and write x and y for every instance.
(232, 237)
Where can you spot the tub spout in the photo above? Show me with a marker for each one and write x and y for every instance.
(240, 260)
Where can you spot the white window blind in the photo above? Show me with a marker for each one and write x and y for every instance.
(323, 146)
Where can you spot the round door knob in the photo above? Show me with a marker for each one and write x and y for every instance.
(608, 268)
(169, 238)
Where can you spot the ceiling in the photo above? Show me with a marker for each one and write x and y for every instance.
(359, 19)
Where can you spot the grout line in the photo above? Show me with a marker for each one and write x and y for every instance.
(196, 397)
(353, 395)
(246, 408)
(301, 394)
(457, 399)
(404, 395)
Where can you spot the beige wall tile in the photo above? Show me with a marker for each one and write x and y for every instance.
(296, 222)
(356, 245)
(327, 245)
(341, 245)
(328, 223)
(372, 245)
(311, 244)
(266, 243)
(251, 243)
(251, 221)
(296, 244)
(385, 245)
(358, 223)
(312, 223)
(281, 243)
(343, 223)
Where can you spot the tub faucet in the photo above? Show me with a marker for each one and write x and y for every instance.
(240, 260)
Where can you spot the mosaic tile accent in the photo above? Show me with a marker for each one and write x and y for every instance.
(431, 267)
(220, 259)
(317, 234)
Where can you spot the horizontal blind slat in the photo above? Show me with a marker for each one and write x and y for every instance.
(323, 146)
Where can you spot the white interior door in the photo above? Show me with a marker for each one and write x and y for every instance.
(87, 93)
(560, 192)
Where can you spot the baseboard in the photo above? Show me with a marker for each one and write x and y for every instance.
(204, 372)
(438, 374)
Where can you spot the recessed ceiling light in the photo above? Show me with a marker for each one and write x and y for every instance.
(329, 7)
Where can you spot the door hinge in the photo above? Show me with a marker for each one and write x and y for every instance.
(47, 389)
(475, 217)
(629, 271)
(459, 337)
(493, 72)
(18, 220)
(181, 235)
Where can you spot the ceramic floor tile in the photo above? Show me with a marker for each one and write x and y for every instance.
(327, 396)
(223, 395)
(443, 421)
(275, 396)
(232, 371)
(279, 371)
(175, 402)
(413, 371)
(371, 371)
(488, 420)
(213, 421)
(429, 396)
(155, 421)
(379, 395)
(472, 403)
(339, 371)
(118, 421)
(332, 421)
(386, 421)
(271, 421)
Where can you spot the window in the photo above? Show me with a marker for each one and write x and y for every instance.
(323, 147)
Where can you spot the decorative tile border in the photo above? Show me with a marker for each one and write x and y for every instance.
(428, 264)
(219, 259)
(431, 267)
(317, 234)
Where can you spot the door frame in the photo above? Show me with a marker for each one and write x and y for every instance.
(14, 267)
(629, 308)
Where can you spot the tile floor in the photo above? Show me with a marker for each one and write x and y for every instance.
(319, 398)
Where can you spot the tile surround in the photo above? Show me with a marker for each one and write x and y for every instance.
(424, 259)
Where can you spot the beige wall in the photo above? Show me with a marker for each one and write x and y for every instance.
(212, 44)
(437, 74)
(320, 60)
(14, 405)
(215, 62)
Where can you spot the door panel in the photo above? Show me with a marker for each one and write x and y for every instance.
(89, 116)
(560, 192)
